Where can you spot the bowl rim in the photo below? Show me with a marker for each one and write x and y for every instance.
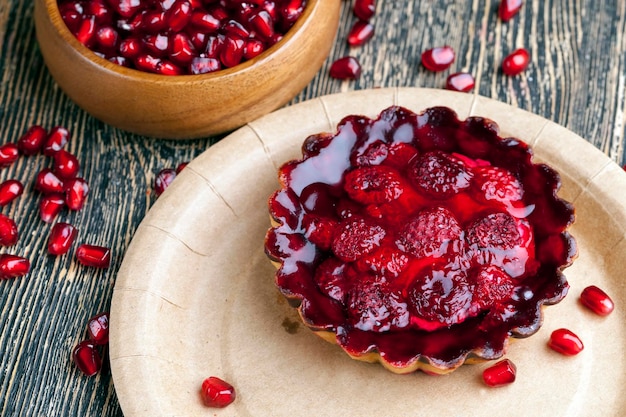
(54, 15)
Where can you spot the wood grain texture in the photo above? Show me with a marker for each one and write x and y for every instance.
(577, 78)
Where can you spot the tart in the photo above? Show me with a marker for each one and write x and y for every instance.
(419, 241)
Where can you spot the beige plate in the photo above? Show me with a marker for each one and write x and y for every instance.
(195, 295)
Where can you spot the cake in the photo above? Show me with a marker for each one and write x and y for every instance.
(419, 240)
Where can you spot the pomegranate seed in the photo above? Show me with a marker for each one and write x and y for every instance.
(126, 8)
(179, 15)
(509, 8)
(183, 50)
(153, 22)
(181, 166)
(148, 63)
(50, 206)
(460, 81)
(31, 142)
(597, 300)
(438, 59)
(56, 140)
(9, 191)
(87, 358)
(168, 68)
(66, 165)
(232, 53)
(95, 256)
(216, 392)
(101, 10)
(364, 9)
(72, 17)
(565, 342)
(263, 24)
(87, 31)
(163, 180)
(98, 329)
(345, 68)
(8, 231)
(292, 10)
(130, 48)
(13, 266)
(76, 191)
(8, 154)
(156, 45)
(233, 27)
(107, 37)
(61, 238)
(204, 65)
(47, 182)
(214, 46)
(516, 62)
(205, 21)
(499, 374)
(361, 32)
(253, 48)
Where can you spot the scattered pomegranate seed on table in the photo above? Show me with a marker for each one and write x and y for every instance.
(565, 342)
(9, 191)
(8, 154)
(501, 373)
(516, 62)
(50, 206)
(58, 137)
(8, 231)
(98, 329)
(164, 179)
(47, 182)
(509, 8)
(76, 191)
(217, 393)
(361, 32)
(61, 238)
(596, 300)
(13, 266)
(345, 68)
(438, 59)
(31, 142)
(93, 255)
(460, 81)
(87, 357)
(364, 9)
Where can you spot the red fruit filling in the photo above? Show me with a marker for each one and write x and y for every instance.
(416, 236)
(178, 37)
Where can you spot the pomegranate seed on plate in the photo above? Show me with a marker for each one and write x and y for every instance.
(364, 9)
(87, 31)
(9, 153)
(107, 37)
(130, 47)
(47, 182)
(361, 32)
(13, 266)
(292, 10)
(516, 62)
(9, 191)
(232, 53)
(8, 231)
(31, 142)
(597, 300)
(66, 165)
(509, 8)
(345, 68)
(263, 24)
(56, 140)
(76, 191)
(205, 21)
(95, 256)
(178, 15)
(87, 358)
(61, 238)
(182, 51)
(98, 329)
(50, 206)
(460, 81)
(565, 342)
(499, 374)
(253, 48)
(217, 393)
(438, 59)
(163, 180)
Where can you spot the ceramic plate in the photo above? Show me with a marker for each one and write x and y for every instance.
(195, 296)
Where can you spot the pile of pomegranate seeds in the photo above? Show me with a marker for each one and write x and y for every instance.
(499, 374)
(176, 37)
(217, 393)
(87, 354)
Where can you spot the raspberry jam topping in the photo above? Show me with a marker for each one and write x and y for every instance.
(420, 237)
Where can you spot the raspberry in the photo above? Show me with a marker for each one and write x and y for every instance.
(330, 278)
(373, 306)
(374, 154)
(438, 174)
(430, 233)
(357, 238)
(399, 155)
(319, 230)
(440, 298)
(491, 286)
(496, 230)
(374, 185)
(498, 184)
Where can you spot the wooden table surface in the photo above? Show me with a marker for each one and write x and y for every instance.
(577, 78)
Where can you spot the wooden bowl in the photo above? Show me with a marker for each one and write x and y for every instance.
(187, 106)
